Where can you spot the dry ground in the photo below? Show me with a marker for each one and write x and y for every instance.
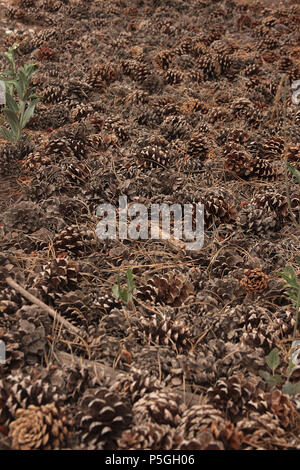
(162, 102)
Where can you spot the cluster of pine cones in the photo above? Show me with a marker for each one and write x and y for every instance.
(162, 102)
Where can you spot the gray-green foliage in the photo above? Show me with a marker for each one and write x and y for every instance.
(273, 360)
(125, 294)
(20, 97)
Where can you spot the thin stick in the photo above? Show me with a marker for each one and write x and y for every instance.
(56, 316)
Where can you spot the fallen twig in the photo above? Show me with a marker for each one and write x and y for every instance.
(55, 315)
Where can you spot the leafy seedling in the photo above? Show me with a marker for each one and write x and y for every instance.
(273, 362)
(124, 294)
(20, 98)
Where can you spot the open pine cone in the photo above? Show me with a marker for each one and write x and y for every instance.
(39, 428)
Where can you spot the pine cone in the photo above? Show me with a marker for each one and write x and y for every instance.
(254, 280)
(241, 106)
(80, 112)
(218, 209)
(73, 239)
(58, 148)
(260, 430)
(239, 162)
(173, 76)
(32, 338)
(272, 201)
(102, 75)
(159, 407)
(35, 160)
(212, 65)
(7, 267)
(272, 148)
(198, 146)
(136, 385)
(165, 331)
(20, 391)
(225, 433)
(137, 71)
(6, 159)
(205, 441)
(236, 395)
(39, 427)
(174, 127)
(24, 216)
(293, 153)
(163, 59)
(148, 436)
(282, 407)
(197, 416)
(54, 94)
(107, 303)
(10, 301)
(171, 288)
(76, 382)
(264, 169)
(255, 220)
(102, 418)
(193, 105)
(152, 157)
(58, 276)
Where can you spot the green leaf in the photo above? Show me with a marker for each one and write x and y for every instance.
(295, 172)
(115, 291)
(29, 70)
(289, 274)
(273, 360)
(290, 368)
(12, 119)
(271, 380)
(291, 389)
(10, 57)
(19, 88)
(11, 103)
(124, 295)
(7, 72)
(8, 135)
(130, 280)
(117, 288)
(28, 113)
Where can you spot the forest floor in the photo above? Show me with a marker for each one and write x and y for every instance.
(161, 102)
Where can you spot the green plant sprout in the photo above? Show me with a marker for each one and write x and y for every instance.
(19, 96)
(125, 294)
(273, 359)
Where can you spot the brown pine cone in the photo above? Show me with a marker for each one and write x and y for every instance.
(160, 407)
(148, 436)
(152, 157)
(172, 288)
(260, 431)
(254, 280)
(165, 331)
(282, 407)
(101, 419)
(223, 432)
(20, 391)
(24, 216)
(136, 385)
(194, 418)
(236, 395)
(58, 276)
(39, 428)
(73, 239)
(218, 209)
